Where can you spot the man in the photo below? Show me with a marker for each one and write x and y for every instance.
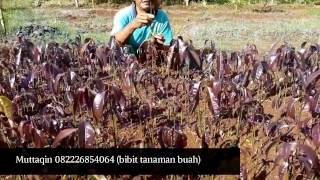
(137, 23)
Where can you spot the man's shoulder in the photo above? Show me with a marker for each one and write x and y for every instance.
(121, 19)
(162, 14)
(125, 12)
(162, 11)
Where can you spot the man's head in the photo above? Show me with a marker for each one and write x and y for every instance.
(147, 5)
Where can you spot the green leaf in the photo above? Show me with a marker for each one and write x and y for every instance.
(6, 106)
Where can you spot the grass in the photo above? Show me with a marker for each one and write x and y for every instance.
(14, 18)
(17, 13)
(16, 4)
(229, 33)
(232, 29)
(313, 12)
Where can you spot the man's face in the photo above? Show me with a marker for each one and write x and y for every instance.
(146, 5)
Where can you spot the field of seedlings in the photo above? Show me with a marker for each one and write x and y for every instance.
(246, 88)
(79, 94)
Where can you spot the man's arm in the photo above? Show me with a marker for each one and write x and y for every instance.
(122, 35)
(159, 39)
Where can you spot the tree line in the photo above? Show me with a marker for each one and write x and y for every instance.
(186, 2)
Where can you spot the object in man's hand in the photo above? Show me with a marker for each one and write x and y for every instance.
(159, 38)
(153, 39)
(151, 10)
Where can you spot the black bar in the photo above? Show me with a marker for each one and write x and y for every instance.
(213, 161)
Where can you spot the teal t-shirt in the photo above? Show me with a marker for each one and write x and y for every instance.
(160, 25)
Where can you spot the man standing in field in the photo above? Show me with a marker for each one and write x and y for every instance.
(138, 22)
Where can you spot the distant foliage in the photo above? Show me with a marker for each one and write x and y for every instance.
(37, 3)
(16, 4)
(173, 2)
(244, 2)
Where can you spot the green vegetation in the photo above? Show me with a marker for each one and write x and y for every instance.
(16, 4)
(14, 18)
(228, 32)
(231, 29)
(313, 11)
(238, 3)
(18, 13)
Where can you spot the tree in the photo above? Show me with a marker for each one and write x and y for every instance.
(92, 1)
(77, 3)
(2, 18)
(37, 3)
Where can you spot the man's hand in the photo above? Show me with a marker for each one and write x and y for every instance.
(141, 20)
(159, 38)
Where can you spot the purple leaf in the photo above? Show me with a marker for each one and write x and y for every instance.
(311, 78)
(286, 150)
(315, 134)
(194, 95)
(63, 134)
(276, 103)
(119, 97)
(214, 100)
(25, 129)
(98, 105)
(18, 57)
(36, 52)
(56, 83)
(243, 173)
(309, 158)
(128, 76)
(27, 80)
(86, 135)
(39, 139)
(78, 99)
(172, 138)
(291, 109)
(220, 65)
